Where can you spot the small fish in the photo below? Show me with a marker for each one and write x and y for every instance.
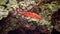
(32, 15)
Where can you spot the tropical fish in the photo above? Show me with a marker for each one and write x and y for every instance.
(32, 15)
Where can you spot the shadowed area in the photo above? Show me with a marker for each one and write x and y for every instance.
(55, 22)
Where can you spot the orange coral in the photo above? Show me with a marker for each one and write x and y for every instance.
(32, 15)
